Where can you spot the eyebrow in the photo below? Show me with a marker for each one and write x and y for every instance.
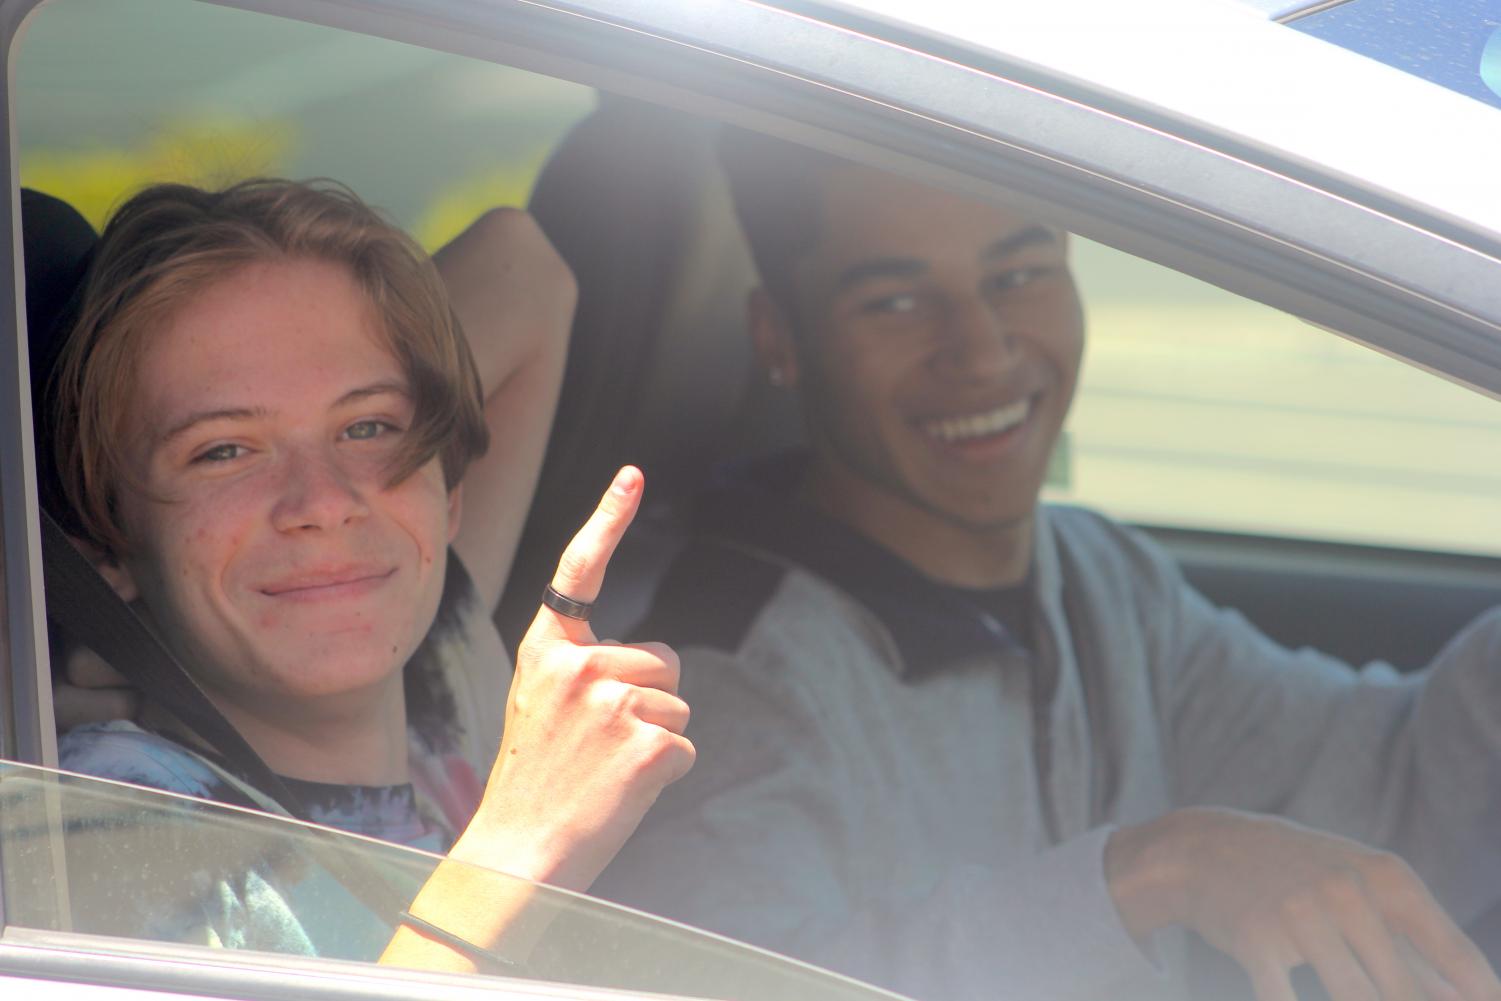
(196, 418)
(910, 267)
(1008, 245)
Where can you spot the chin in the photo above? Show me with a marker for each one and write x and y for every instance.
(338, 667)
(985, 516)
(994, 522)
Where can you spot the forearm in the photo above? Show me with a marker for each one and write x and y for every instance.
(1411, 764)
(497, 913)
(513, 297)
(1042, 927)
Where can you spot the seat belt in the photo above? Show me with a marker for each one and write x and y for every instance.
(82, 601)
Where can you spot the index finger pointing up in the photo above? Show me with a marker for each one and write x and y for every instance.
(581, 569)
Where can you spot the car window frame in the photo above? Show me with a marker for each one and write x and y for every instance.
(196, 971)
(1197, 208)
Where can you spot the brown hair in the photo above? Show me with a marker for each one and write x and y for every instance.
(170, 242)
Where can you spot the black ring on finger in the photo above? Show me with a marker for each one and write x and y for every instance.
(564, 605)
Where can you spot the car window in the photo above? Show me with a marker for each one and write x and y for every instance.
(110, 97)
(1201, 409)
(148, 865)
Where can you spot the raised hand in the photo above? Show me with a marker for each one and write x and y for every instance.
(1275, 895)
(593, 733)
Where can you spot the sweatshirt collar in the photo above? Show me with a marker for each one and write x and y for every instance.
(754, 505)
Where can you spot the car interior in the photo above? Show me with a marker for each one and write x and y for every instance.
(660, 374)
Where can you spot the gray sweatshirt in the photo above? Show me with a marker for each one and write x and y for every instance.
(883, 791)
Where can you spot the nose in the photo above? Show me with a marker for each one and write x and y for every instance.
(979, 340)
(317, 493)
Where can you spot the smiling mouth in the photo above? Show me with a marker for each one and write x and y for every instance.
(986, 424)
(330, 585)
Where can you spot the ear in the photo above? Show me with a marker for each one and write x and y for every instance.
(111, 568)
(771, 337)
(455, 510)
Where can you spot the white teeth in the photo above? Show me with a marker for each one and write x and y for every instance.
(979, 425)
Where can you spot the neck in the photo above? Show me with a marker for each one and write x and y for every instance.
(360, 741)
(937, 544)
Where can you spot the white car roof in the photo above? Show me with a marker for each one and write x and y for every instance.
(1223, 67)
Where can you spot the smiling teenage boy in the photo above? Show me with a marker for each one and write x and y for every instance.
(268, 419)
(966, 745)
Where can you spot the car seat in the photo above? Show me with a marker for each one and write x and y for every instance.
(57, 244)
(659, 371)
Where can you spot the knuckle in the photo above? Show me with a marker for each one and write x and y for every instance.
(616, 702)
(571, 668)
(666, 754)
(575, 562)
(1302, 906)
(594, 662)
(1386, 870)
(1344, 889)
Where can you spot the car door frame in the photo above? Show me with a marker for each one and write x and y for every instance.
(1424, 288)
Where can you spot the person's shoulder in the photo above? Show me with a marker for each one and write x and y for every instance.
(1109, 564)
(1075, 520)
(122, 751)
(1097, 536)
(455, 681)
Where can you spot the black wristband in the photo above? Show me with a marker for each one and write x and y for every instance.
(479, 954)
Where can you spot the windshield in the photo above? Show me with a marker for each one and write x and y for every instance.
(95, 857)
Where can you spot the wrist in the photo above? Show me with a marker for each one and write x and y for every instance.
(1145, 871)
(515, 853)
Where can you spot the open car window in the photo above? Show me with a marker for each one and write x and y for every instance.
(88, 856)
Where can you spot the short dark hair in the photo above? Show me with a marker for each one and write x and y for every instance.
(171, 241)
(776, 188)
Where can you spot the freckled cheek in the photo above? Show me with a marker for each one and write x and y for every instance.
(421, 504)
(209, 539)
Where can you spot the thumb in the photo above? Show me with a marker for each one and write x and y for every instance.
(581, 570)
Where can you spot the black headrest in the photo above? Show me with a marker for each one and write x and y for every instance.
(57, 244)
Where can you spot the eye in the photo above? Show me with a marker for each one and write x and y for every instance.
(1016, 277)
(219, 453)
(902, 302)
(368, 430)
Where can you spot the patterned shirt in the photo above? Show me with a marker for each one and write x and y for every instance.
(456, 684)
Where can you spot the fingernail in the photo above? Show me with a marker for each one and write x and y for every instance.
(625, 482)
